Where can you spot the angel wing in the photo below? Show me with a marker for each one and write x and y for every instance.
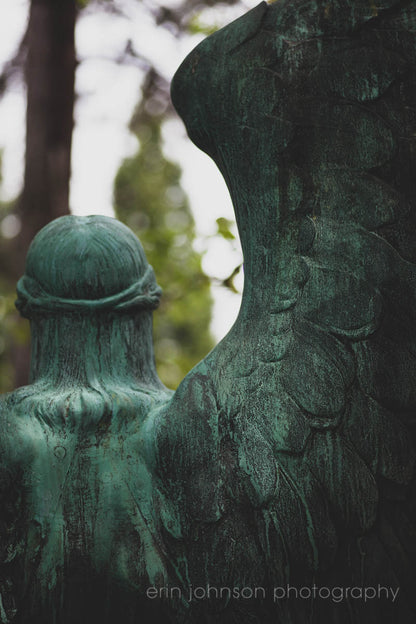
(287, 456)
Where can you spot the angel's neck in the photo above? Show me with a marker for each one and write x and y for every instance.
(85, 350)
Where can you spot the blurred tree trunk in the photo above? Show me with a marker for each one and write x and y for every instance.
(50, 77)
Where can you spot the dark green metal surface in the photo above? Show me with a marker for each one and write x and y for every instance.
(288, 453)
(286, 457)
(79, 532)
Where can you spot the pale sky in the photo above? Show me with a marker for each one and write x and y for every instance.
(108, 93)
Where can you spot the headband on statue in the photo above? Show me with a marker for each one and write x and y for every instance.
(33, 299)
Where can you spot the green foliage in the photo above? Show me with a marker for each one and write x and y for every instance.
(197, 25)
(14, 331)
(81, 4)
(8, 325)
(224, 228)
(150, 200)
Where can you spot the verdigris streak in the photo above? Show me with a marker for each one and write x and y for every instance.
(286, 457)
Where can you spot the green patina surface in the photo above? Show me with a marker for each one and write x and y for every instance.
(81, 533)
(290, 448)
(287, 455)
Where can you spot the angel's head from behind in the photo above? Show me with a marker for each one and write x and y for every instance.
(89, 293)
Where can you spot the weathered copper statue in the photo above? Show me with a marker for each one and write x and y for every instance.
(79, 538)
(288, 453)
(277, 484)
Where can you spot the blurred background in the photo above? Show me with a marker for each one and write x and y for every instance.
(87, 127)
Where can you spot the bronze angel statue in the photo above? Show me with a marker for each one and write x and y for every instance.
(79, 537)
(277, 484)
